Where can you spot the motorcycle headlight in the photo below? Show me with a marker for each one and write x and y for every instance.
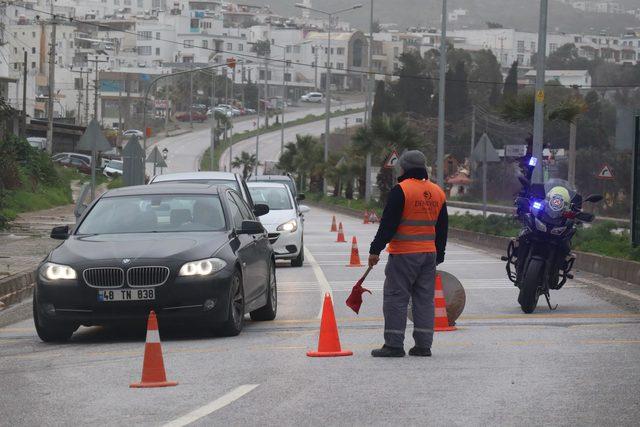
(52, 271)
(540, 226)
(289, 226)
(203, 267)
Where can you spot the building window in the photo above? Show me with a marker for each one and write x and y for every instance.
(287, 77)
(33, 50)
(229, 46)
(553, 47)
(296, 49)
(396, 52)
(33, 65)
(188, 43)
(127, 2)
(240, 47)
(157, 36)
(157, 51)
(77, 83)
(340, 51)
(520, 46)
(205, 44)
(533, 46)
(144, 50)
(520, 59)
(340, 66)
(144, 35)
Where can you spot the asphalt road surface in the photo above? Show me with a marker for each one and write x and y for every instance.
(579, 365)
(185, 150)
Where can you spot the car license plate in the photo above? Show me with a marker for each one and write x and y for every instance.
(105, 295)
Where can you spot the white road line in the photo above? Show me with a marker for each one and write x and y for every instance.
(325, 287)
(210, 408)
(611, 289)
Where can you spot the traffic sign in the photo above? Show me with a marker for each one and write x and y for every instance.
(392, 160)
(133, 162)
(484, 151)
(93, 138)
(540, 96)
(231, 63)
(605, 173)
(515, 150)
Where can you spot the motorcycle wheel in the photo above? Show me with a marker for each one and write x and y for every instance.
(529, 294)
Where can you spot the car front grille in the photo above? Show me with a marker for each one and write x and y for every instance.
(105, 277)
(273, 237)
(147, 276)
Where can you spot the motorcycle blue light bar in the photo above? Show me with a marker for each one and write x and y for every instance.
(537, 205)
(533, 161)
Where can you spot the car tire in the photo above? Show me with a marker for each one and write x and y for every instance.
(299, 260)
(235, 319)
(270, 310)
(51, 331)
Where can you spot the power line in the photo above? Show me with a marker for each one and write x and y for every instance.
(348, 70)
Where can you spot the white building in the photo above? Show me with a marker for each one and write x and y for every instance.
(568, 78)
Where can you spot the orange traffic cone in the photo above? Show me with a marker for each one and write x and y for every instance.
(441, 323)
(355, 255)
(340, 235)
(329, 341)
(366, 217)
(333, 225)
(153, 374)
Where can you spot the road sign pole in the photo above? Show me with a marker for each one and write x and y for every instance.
(538, 119)
(635, 202)
(484, 181)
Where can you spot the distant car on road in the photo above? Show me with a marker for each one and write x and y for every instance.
(113, 169)
(189, 252)
(80, 162)
(195, 115)
(284, 222)
(131, 132)
(37, 142)
(283, 179)
(231, 180)
(312, 97)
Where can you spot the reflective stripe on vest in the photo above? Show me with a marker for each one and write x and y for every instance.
(416, 232)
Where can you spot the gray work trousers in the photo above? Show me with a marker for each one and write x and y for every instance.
(409, 275)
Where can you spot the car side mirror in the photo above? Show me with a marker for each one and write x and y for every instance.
(251, 227)
(60, 233)
(301, 197)
(304, 209)
(594, 198)
(585, 216)
(260, 209)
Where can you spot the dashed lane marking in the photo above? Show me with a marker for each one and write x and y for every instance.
(210, 408)
(325, 287)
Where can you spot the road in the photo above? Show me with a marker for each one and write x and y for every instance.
(185, 150)
(579, 365)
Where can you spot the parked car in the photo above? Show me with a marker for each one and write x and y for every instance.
(130, 132)
(231, 180)
(228, 108)
(37, 142)
(189, 252)
(220, 110)
(283, 179)
(195, 115)
(284, 222)
(113, 169)
(312, 97)
(76, 163)
(63, 157)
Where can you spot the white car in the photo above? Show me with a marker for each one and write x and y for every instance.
(131, 132)
(113, 169)
(312, 97)
(284, 222)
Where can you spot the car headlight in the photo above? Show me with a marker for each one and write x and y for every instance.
(203, 267)
(52, 271)
(290, 226)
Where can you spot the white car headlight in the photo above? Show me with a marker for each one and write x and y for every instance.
(52, 271)
(203, 267)
(290, 226)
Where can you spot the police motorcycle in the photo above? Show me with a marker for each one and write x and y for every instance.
(540, 258)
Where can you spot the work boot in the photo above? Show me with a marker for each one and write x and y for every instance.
(420, 351)
(387, 351)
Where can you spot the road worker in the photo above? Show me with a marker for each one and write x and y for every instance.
(414, 224)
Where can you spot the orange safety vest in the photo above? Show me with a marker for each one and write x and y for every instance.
(417, 232)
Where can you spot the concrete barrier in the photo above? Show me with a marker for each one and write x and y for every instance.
(15, 294)
(621, 269)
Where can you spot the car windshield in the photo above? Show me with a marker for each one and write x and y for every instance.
(115, 165)
(231, 184)
(154, 214)
(277, 198)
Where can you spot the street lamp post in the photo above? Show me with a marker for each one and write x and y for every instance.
(327, 126)
(441, 94)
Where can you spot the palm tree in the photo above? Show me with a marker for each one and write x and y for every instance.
(305, 159)
(247, 162)
(222, 120)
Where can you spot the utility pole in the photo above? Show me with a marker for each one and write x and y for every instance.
(243, 86)
(257, 128)
(96, 85)
(52, 88)
(266, 90)
(442, 81)
(315, 54)
(212, 143)
(370, 85)
(166, 109)
(191, 97)
(80, 89)
(327, 103)
(473, 138)
(284, 99)
(233, 79)
(538, 118)
(86, 99)
(226, 100)
(119, 141)
(24, 96)
(346, 125)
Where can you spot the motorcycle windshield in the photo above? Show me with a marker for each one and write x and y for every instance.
(559, 194)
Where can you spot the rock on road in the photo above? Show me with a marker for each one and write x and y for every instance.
(579, 365)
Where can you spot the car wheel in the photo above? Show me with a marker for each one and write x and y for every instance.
(269, 311)
(235, 320)
(299, 260)
(51, 330)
